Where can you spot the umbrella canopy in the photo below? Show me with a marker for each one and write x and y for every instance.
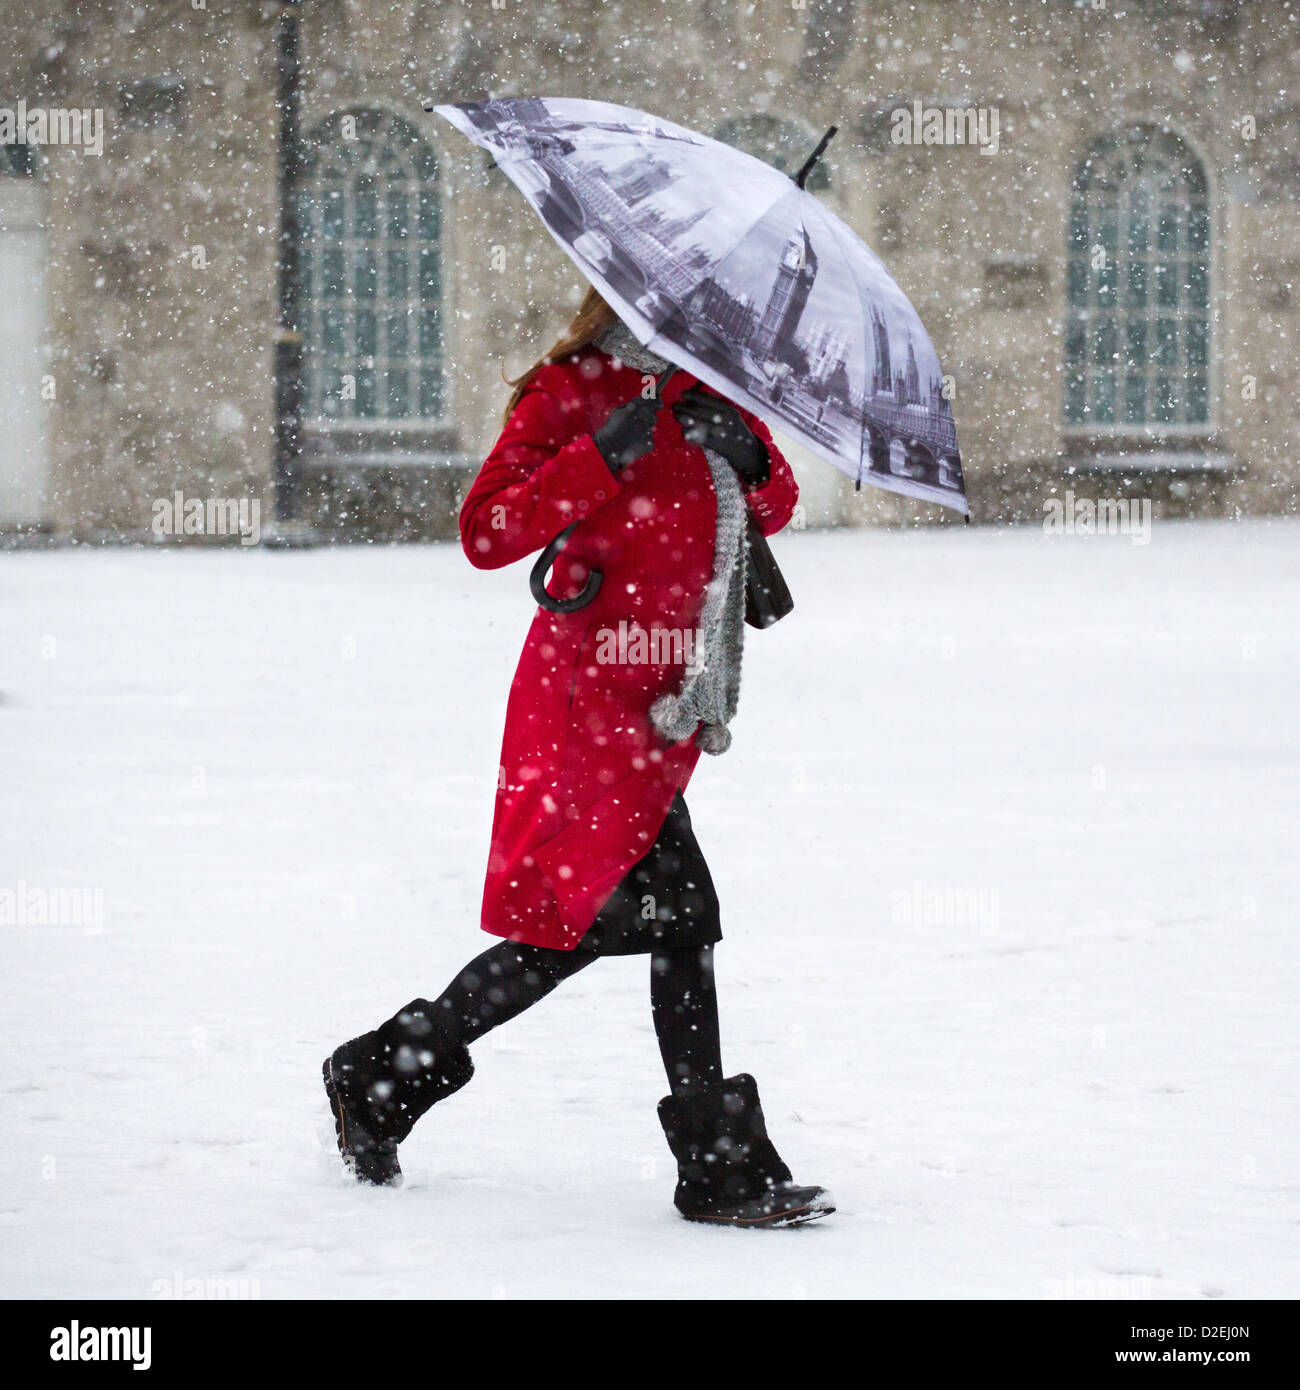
(725, 266)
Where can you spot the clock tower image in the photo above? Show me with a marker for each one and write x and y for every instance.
(789, 297)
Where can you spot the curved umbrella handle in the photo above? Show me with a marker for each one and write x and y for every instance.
(537, 579)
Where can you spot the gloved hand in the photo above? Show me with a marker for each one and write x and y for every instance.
(628, 434)
(713, 423)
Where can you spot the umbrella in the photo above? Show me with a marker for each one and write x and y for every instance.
(728, 268)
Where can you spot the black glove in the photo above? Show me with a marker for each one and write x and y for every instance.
(628, 434)
(713, 423)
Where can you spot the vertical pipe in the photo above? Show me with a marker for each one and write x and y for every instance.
(288, 338)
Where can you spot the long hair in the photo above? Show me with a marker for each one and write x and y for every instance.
(593, 317)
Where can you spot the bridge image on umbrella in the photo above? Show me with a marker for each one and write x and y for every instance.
(723, 265)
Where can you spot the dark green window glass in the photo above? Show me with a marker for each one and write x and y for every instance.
(372, 280)
(365, 204)
(1144, 358)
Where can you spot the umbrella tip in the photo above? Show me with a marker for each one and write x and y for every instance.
(802, 176)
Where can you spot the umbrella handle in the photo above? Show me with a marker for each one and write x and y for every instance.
(537, 579)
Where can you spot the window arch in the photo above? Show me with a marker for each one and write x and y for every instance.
(1137, 341)
(372, 283)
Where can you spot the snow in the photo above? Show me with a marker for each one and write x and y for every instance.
(1006, 849)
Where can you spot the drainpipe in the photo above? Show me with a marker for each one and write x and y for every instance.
(288, 338)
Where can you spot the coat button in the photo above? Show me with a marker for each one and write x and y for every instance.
(600, 494)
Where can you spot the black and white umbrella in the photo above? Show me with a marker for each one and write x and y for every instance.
(728, 268)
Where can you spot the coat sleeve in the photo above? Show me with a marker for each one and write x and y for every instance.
(773, 502)
(542, 474)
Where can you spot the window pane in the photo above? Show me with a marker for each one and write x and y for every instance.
(1076, 338)
(370, 310)
(1135, 398)
(1137, 283)
(1167, 283)
(333, 215)
(1164, 411)
(430, 393)
(1168, 238)
(333, 278)
(399, 214)
(1076, 396)
(365, 341)
(1198, 398)
(365, 274)
(365, 221)
(1198, 342)
(399, 401)
(430, 275)
(398, 332)
(1137, 343)
(332, 332)
(365, 393)
(1197, 286)
(1139, 227)
(429, 219)
(1198, 229)
(1104, 344)
(1103, 399)
(399, 265)
(1166, 350)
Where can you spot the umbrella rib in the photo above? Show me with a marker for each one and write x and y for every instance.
(869, 354)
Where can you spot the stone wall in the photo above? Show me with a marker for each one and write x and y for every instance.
(162, 352)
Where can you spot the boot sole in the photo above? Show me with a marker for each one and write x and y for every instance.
(339, 1117)
(797, 1216)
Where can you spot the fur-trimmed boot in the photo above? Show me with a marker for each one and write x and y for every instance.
(382, 1082)
(728, 1169)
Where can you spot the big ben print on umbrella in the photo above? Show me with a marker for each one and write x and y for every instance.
(730, 269)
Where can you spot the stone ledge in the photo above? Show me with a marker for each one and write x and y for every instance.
(1209, 462)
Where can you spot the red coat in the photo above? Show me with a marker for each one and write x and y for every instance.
(585, 781)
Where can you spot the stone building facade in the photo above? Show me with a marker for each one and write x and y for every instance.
(1115, 290)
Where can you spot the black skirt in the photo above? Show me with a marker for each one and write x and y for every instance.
(666, 899)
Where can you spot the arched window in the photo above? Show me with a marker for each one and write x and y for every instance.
(1137, 337)
(372, 272)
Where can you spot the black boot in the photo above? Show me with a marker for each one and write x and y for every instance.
(728, 1169)
(382, 1082)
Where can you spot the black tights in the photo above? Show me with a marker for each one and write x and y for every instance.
(510, 977)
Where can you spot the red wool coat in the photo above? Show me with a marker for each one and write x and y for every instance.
(585, 781)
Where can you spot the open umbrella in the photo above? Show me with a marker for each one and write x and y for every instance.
(728, 268)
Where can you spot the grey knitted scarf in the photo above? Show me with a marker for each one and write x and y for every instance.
(710, 692)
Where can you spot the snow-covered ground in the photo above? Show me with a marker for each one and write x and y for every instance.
(1007, 850)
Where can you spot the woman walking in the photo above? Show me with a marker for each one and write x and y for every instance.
(592, 851)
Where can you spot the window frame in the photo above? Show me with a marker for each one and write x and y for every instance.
(1076, 431)
(413, 426)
